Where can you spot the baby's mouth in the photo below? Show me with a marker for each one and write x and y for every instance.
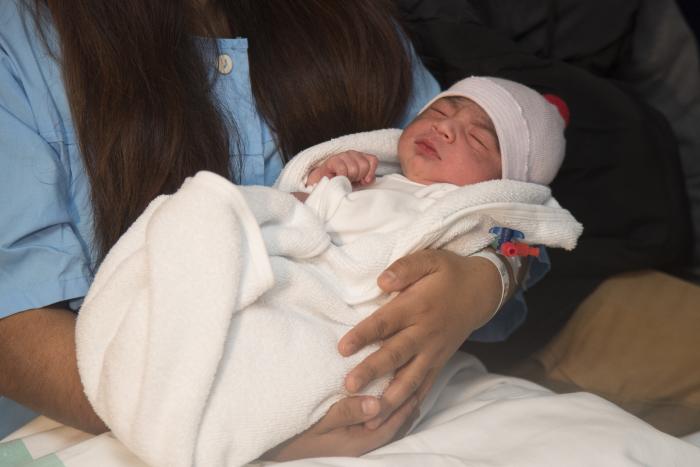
(426, 149)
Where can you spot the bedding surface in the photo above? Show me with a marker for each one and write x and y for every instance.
(471, 418)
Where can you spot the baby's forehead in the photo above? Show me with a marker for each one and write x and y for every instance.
(461, 102)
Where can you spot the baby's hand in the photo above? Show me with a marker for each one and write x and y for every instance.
(357, 166)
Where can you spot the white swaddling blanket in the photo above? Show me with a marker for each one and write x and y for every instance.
(209, 334)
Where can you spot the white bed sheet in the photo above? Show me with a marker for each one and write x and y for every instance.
(472, 418)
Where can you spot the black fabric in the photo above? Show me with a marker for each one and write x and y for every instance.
(621, 176)
(691, 11)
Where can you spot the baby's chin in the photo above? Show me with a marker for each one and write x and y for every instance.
(415, 176)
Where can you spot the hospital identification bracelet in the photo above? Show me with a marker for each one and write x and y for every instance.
(497, 261)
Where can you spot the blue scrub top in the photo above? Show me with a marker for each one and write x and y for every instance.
(47, 250)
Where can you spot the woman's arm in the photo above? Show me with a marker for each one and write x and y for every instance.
(343, 431)
(39, 368)
(443, 298)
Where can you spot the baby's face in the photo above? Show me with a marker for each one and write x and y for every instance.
(452, 141)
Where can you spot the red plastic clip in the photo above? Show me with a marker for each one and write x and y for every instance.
(518, 249)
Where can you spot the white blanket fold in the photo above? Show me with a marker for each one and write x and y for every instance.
(210, 331)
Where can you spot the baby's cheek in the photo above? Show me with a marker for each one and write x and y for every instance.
(404, 152)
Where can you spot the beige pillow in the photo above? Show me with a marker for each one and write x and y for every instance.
(635, 341)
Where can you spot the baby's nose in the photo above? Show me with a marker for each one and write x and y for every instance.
(445, 128)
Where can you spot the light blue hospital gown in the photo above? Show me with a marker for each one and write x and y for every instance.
(46, 238)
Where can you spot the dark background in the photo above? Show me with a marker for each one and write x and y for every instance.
(691, 10)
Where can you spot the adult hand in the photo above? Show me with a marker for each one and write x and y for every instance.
(443, 298)
(341, 432)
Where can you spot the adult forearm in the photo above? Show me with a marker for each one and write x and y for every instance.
(38, 367)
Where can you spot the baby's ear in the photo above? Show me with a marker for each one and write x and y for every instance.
(561, 106)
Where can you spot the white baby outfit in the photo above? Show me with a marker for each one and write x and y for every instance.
(391, 203)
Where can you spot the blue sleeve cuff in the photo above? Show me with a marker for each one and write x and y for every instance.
(514, 311)
(44, 294)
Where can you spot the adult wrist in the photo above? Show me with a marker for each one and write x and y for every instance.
(504, 273)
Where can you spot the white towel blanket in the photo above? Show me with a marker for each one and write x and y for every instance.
(209, 334)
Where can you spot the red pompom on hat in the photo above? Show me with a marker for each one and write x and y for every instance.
(561, 106)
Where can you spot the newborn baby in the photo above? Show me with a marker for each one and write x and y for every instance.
(479, 129)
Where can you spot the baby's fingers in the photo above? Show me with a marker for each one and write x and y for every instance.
(372, 170)
(338, 167)
(366, 164)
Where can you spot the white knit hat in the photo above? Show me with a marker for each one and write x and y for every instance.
(529, 126)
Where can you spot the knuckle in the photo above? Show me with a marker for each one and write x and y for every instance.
(380, 326)
(395, 356)
(371, 373)
(410, 342)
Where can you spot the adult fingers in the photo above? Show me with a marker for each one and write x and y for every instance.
(400, 421)
(403, 430)
(427, 385)
(407, 270)
(406, 383)
(349, 411)
(394, 353)
(364, 440)
(381, 324)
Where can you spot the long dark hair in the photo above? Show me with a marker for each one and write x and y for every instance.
(140, 87)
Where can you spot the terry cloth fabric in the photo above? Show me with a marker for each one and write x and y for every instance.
(209, 334)
(529, 127)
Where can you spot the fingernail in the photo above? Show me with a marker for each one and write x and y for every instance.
(370, 406)
(387, 276)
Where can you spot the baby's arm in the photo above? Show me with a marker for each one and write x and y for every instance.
(359, 167)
